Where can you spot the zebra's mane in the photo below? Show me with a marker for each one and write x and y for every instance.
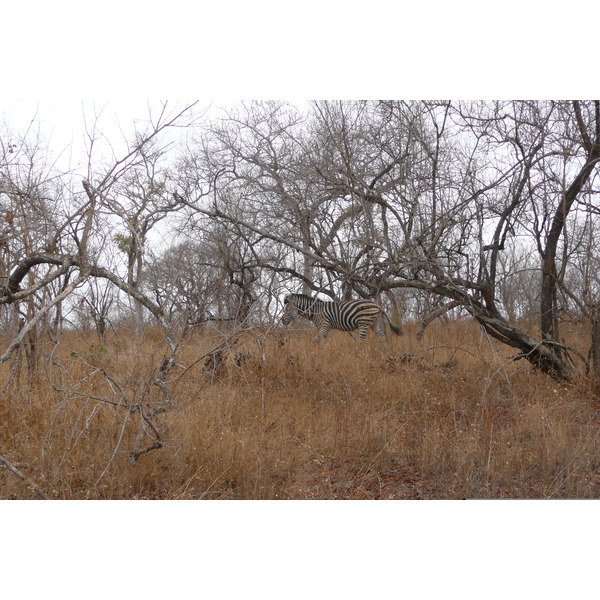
(304, 296)
(317, 301)
(308, 299)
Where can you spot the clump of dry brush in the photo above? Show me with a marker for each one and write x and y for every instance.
(270, 417)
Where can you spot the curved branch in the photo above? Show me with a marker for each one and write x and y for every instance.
(19, 273)
(14, 295)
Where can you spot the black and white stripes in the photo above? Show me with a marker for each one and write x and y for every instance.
(345, 316)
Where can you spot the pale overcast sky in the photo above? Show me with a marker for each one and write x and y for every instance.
(62, 123)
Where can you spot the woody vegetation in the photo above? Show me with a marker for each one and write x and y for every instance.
(140, 304)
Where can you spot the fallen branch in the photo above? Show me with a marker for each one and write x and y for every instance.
(24, 477)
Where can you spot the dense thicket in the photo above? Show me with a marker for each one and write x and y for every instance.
(480, 209)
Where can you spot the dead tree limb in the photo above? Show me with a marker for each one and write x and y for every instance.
(24, 477)
(433, 315)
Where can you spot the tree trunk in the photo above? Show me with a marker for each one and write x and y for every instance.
(549, 308)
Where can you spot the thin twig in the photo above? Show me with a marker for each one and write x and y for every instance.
(115, 450)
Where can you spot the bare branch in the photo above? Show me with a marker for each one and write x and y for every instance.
(24, 477)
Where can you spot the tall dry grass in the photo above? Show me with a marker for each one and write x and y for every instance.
(449, 417)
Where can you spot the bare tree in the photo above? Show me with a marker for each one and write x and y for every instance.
(68, 246)
(452, 185)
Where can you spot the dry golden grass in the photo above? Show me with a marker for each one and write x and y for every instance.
(450, 417)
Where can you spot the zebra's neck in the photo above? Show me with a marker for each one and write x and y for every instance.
(310, 307)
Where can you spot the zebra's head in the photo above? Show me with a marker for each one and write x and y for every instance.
(290, 311)
(298, 305)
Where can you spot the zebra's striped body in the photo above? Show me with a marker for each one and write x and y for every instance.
(345, 316)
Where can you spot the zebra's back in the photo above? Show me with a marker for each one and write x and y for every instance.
(350, 314)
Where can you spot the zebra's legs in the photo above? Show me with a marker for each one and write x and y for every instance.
(379, 329)
(322, 332)
(362, 332)
(381, 336)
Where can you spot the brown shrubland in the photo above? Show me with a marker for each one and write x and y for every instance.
(278, 417)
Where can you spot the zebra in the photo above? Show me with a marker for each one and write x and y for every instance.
(345, 316)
